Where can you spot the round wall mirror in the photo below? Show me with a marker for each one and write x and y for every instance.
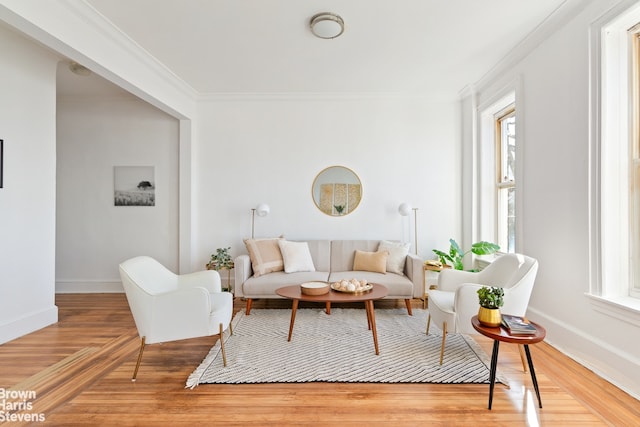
(337, 191)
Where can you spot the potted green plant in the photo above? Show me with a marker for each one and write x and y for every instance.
(220, 260)
(455, 256)
(491, 298)
(339, 209)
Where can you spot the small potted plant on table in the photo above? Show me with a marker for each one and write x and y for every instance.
(491, 299)
(221, 260)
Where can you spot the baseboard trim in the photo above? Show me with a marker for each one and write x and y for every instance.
(89, 287)
(27, 324)
(615, 365)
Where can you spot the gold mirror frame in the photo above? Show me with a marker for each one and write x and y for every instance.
(336, 191)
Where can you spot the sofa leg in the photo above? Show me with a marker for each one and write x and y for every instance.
(407, 302)
(248, 309)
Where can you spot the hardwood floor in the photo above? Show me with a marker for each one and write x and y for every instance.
(80, 371)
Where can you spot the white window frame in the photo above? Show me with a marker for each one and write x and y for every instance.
(610, 133)
(502, 186)
(486, 161)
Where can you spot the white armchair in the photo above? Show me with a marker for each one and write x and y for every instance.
(170, 307)
(455, 301)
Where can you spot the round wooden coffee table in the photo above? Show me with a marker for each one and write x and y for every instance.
(500, 334)
(295, 294)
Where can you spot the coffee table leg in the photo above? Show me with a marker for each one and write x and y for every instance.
(492, 374)
(372, 318)
(294, 308)
(366, 309)
(533, 374)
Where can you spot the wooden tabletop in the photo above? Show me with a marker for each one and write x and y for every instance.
(501, 334)
(294, 292)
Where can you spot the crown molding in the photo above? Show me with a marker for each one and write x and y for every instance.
(123, 42)
(566, 11)
(77, 31)
(302, 96)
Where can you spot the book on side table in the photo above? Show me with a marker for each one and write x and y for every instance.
(517, 325)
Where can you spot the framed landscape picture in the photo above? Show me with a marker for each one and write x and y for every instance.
(134, 186)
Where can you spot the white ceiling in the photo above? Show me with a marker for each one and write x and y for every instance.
(422, 47)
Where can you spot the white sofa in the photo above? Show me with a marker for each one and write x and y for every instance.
(333, 260)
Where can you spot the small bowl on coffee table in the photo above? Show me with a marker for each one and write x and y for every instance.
(314, 288)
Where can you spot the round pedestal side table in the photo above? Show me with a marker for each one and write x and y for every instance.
(500, 334)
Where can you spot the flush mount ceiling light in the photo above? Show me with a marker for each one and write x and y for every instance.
(78, 69)
(326, 25)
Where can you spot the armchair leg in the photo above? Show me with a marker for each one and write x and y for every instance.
(224, 356)
(248, 309)
(428, 323)
(407, 302)
(444, 338)
(523, 358)
(135, 372)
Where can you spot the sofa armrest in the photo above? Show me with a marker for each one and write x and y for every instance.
(242, 271)
(413, 270)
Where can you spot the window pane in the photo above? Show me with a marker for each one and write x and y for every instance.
(508, 147)
(511, 221)
(505, 179)
(635, 227)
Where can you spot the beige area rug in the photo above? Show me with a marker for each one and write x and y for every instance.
(339, 348)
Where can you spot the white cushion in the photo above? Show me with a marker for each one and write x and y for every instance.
(296, 256)
(397, 255)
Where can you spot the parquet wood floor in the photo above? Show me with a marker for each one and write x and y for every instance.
(80, 370)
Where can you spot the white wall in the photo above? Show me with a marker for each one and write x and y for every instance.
(270, 150)
(554, 120)
(27, 201)
(95, 134)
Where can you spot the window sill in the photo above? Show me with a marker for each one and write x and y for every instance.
(623, 308)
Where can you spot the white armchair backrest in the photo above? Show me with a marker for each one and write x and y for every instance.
(142, 278)
(500, 272)
(515, 273)
(149, 275)
(519, 287)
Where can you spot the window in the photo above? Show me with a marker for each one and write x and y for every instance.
(615, 163)
(505, 178)
(498, 173)
(634, 163)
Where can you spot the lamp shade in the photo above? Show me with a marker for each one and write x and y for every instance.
(263, 209)
(327, 25)
(404, 209)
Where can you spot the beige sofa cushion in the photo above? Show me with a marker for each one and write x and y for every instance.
(397, 255)
(265, 255)
(370, 261)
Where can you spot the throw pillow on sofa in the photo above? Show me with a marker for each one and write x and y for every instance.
(397, 255)
(370, 261)
(265, 255)
(296, 256)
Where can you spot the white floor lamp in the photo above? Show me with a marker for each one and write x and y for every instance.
(261, 210)
(405, 209)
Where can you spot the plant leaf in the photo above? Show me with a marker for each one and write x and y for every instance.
(484, 248)
(455, 246)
